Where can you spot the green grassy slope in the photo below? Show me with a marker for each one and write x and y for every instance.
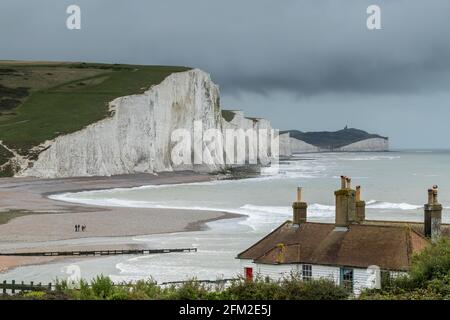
(40, 101)
(228, 115)
(74, 102)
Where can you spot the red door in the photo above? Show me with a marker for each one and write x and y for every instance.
(248, 273)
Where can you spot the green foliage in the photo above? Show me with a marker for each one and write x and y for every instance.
(5, 154)
(228, 115)
(190, 290)
(290, 288)
(429, 277)
(259, 289)
(431, 264)
(102, 287)
(35, 295)
(6, 216)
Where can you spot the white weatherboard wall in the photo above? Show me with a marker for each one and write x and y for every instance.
(362, 278)
(137, 137)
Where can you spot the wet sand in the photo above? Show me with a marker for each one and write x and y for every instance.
(50, 220)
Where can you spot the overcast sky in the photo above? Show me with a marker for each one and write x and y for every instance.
(303, 64)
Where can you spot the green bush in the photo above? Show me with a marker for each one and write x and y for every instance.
(190, 290)
(102, 287)
(259, 289)
(429, 277)
(289, 288)
(431, 264)
(35, 295)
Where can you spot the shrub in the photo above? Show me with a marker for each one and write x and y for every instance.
(259, 289)
(429, 277)
(35, 295)
(289, 288)
(102, 287)
(191, 290)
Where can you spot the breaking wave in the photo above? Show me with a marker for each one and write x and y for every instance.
(374, 204)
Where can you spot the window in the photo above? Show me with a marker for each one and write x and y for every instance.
(306, 272)
(347, 278)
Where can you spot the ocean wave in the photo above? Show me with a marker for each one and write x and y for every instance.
(374, 204)
(371, 158)
(315, 209)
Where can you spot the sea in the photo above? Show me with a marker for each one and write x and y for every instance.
(394, 185)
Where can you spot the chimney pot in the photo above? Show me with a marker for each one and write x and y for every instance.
(299, 209)
(343, 182)
(345, 205)
(349, 183)
(435, 194)
(299, 194)
(432, 215)
(430, 196)
(360, 206)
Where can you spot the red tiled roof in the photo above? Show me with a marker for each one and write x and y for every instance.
(388, 246)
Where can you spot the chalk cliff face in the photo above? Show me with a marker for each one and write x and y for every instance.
(374, 144)
(290, 146)
(299, 146)
(263, 135)
(137, 137)
(285, 145)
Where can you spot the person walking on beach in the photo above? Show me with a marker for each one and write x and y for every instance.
(76, 228)
(83, 228)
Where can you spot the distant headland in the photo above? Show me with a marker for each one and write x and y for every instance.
(347, 139)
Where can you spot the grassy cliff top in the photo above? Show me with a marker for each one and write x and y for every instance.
(336, 139)
(40, 101)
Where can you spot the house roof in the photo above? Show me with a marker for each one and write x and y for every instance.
(389, 246)
(417, 226)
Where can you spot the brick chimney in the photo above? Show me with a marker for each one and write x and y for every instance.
(360, 206)
(299, 209)
(345, 203)
(433, 215)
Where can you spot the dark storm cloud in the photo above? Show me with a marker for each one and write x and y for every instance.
(302, 64)
(307, 47)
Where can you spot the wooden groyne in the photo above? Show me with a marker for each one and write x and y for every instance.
(97, 252)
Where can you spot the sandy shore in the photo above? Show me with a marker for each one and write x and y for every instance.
(51, 220)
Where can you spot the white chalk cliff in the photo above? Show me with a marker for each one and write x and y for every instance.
(137, 137)
(290, 146)
(368, 145)
(262, 130)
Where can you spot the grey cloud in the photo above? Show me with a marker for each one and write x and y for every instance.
(308, 47)
(304, 64)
